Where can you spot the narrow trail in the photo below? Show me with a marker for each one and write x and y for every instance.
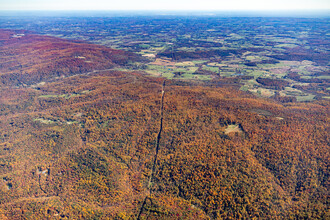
(148, 197)
(158, 137)
(40, 185)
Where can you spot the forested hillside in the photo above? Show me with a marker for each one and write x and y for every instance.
(28, 58)
(84, 146)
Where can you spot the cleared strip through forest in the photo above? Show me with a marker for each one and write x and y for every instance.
(156, 153)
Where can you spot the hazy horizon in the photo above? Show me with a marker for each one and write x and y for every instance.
(220, 13)
(167, 5)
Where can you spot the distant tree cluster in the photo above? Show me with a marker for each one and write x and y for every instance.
(277, 84)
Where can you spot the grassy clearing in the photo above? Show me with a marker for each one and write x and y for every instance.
(187, 63)
(168, 75)
(226, 74)
(72, 122)
(302, 70)
(306, 77)
(194, 76)
(186, 70)
(66, 96)
(253, 58)
(162, 62)
(168, 72)
(286, 45)
(199, 61)
(216, 64)
(256, 73)
(157, 67)
(290, 90)
(153, 72)
(261, 112)
(263, 92)
(233, 129)
(245, 88)
(211, 68)
(323, 77)
(284, 40)
(187, 49)
(44, 121)
(300, 96)
(123, 69)
(192, 69)
(236, 36)
(48, 96)
(277, 65)
(305, 98)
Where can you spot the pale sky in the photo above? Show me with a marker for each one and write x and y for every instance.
(208, 5)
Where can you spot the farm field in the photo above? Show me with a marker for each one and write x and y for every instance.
(211, 48)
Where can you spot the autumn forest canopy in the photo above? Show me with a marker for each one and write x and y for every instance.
(157, 118)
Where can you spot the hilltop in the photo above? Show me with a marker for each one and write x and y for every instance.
(28, 58)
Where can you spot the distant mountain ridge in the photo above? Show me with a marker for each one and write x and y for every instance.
(27, 58)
